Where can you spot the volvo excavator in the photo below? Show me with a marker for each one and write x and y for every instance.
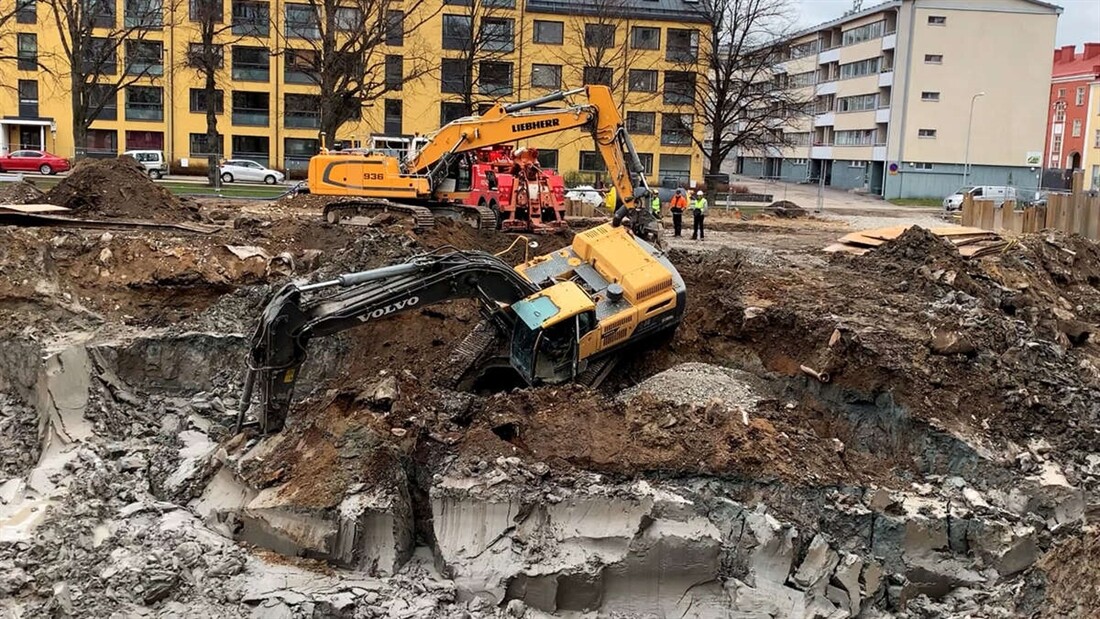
(438, 177)
(559, 317)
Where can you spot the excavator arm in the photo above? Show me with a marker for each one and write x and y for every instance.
(289, 321)
(502, 124)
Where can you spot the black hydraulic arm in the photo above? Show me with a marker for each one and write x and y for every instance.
(288, 322)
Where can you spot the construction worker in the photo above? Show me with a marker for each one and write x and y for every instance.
(655, 204)
(677, 205)
(698, 213)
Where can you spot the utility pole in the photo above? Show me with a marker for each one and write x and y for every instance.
(969, 126)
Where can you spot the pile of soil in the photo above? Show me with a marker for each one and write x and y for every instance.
(118, 188)
(786, 209)
(21, 192)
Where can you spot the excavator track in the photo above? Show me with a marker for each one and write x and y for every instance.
(597, 371)
(480, 217)
(362, 212)
(469, 353)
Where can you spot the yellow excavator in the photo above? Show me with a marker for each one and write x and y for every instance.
(559, 317)
(436, 178)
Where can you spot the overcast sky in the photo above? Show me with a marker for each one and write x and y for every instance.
(1080, 22)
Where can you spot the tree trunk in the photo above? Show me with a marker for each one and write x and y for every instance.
(214, 158)
(80, 124)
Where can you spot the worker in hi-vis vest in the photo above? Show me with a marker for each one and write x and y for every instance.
(655, 204)
(698, 213)
(677, 205)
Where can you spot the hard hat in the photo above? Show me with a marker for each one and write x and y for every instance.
(699, 193)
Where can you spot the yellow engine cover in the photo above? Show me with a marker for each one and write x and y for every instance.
(352, 174)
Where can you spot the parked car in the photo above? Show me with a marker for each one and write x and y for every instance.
(33, 161)
(586, 194)
(153, 161)
(245, 170)
(997, 193)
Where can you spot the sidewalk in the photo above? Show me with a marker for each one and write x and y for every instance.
(834, 200)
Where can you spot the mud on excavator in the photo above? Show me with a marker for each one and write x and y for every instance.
(437, 177)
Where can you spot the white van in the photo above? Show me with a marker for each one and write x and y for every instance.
(996, 193)
(153, 161)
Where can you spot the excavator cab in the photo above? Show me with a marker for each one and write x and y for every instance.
(548, 331)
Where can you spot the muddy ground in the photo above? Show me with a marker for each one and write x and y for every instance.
(947, 468)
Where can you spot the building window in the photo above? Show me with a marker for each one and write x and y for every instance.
(937, 20)
(860, 68)
(548, 159)
(1096, 143)
(1055, 150)
(144, 14)
(1077, 128)
(144, 140)
(591, 161)
(496, 34)
(857, 164)
(200, 146)
(103, 97)
(797, 161)
(28, 98)
(683, 45)
(198, 101)
(195, 56)
(679, 88)
(252, 64)
(599, 35)
(1061, 93)
(546, 76)
(675, 167)
(297, 152)
(676, 129)
(302, 21)
(805, 48)
(395, 28)
(26, 11)
(101, 143)
(800, 80)
(858, 137)
(645, 38)
(206, 11)
(647, 163)
(598, 75)
(929, 95)
(453, 76)
(144, 103)
(548, 32)
(858, 103)
(642, 80)
(252, 147)
(395, 72)
(799, 139)
(641, 123)
(457, 31)
(300, 66)
(350, 19)
(302, 111)
(28, 51)
(933, 58)
(144, 58)
(251, 18)
(1060, 113)
(926, 133)
(1080, 96)
(921, 166)
(250, 109)
(495, 78)
(451, 111)
(863, 33)
(101, 13)
(100, 57)
(392, 117)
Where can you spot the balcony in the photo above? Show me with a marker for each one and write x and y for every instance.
(822, 152)
(251, 18)
(251, 116)
(826, 88)
(825, 120)
(829, 55)
(882, 115)
(886, 78)
(145, 111)
(251, 72)
(889, 41)
(28, 108)
(878, 153)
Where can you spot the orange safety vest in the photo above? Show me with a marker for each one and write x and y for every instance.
(678, 203)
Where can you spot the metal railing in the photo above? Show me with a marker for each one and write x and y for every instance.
(144, 111)
(251, 117)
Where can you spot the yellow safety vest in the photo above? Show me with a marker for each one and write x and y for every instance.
(656, 205)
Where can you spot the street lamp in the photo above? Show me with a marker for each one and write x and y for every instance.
(969, 126)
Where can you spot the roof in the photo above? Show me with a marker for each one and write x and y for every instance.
(1082, 63)
(669, 10)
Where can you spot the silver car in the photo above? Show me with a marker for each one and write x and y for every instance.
(245, 170)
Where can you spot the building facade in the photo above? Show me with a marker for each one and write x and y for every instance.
(892, 88)
(268, 105)
(1071, 129)
(1091, 164)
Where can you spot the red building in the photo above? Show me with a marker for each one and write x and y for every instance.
(1067, 118)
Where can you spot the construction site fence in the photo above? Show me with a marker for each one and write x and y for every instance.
(1077, 212)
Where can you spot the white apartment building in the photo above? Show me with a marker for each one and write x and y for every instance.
(893, 86)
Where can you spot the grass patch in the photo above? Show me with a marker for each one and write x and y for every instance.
(929, 202)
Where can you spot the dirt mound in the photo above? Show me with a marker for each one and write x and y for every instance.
(21, 192)
(118, 188)
(786, 209)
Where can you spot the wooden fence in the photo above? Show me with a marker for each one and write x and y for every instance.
(1075, 213)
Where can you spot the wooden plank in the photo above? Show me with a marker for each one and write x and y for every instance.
(986, 217)
(1008, 217)
(33, 208)
(1092, 218)
(1049, 211)
(844, 248)
(969, 212)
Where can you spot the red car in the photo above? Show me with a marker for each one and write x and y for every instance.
(33, 161)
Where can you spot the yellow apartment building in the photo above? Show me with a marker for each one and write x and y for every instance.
(1091, 162)
(268, 108)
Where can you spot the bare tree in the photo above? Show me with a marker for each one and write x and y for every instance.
(739, 96)
(483, 34)
(92, 37)
(613, 50)
(346, 48)
(12, 42)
